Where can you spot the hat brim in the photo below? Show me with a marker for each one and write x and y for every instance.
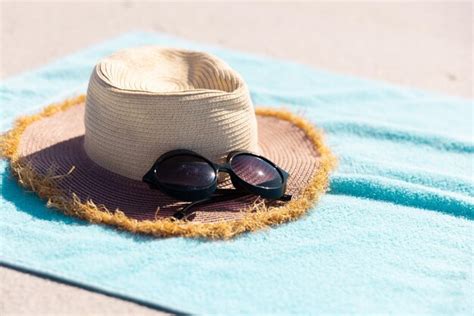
(46, 154)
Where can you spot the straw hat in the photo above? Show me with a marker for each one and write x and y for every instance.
(87, 155)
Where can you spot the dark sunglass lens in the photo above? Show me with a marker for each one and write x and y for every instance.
(256, 171)
(186, 172)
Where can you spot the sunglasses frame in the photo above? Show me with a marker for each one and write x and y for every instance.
(205, 192)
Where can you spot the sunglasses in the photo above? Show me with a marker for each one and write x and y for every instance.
(188, 176)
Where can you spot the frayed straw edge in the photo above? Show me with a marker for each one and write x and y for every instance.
(258, 216)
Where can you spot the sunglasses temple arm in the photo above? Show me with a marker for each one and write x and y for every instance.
(223, 195)
(184, 212)
(237, 192)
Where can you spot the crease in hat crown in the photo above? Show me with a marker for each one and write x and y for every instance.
(142, 102)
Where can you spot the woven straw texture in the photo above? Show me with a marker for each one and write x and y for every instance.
(146, 101)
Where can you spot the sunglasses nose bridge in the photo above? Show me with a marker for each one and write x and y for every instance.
(223, 168)
(224, 172)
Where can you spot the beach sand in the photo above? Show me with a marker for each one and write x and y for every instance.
(422, 45)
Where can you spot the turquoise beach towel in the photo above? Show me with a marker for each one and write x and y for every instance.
(394, 234)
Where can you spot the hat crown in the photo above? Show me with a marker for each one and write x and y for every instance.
(143, 102)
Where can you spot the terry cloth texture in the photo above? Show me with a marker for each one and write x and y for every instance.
(394, 234)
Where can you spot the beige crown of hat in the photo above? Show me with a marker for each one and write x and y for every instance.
(146, 101)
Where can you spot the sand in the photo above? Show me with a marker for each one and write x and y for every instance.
(423, 45)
